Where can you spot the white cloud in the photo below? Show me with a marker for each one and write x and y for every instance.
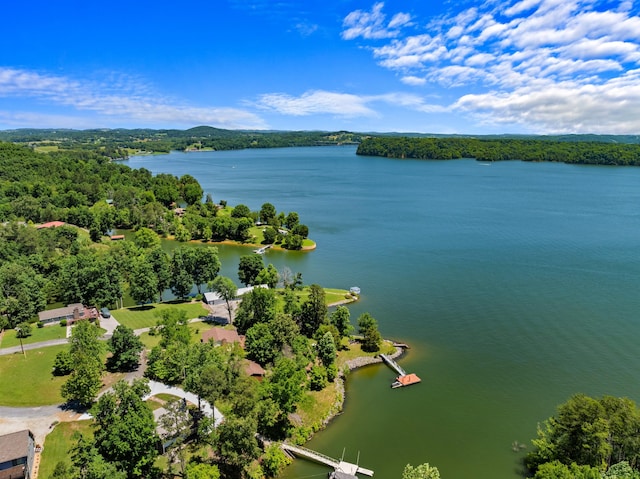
(314, 102)
(413, 80)
(121, 99)
(522, 61)
(371, 25)
(340, 104)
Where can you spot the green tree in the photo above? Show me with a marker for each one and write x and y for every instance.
(341, 319)
(286, 385)
(274, 460)
(260, 343)
(241, 211)
(143, 283)
(292, 220)
(63, 364)
(84, 383)
(227, 290)
(368, 327)
(268, 213)
(190, 189)
(314, 311)
(126, 348)
(201, 470)
(327, 349)
(423, 471)
(249, 268)
(23, 330)
(557, 470)
(182, 267)
(268, 276)
(125, 432)
(270, 235)
(89, 464)
(257, 306)
(146, 238)
(236, 443)
(161, 266)
(176, 424)
(590, 432)
(21, 293)
(206, 265)
(86, 379)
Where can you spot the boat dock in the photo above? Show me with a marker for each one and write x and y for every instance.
(403, 378)
(338, 465)
(263, 249)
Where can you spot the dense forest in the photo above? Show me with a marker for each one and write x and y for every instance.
(485, 149)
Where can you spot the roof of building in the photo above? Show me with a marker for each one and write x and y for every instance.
(14, 445)
(68, 312)
(408, 379)
(51, 224)
(221, 335)
(211, 297)
(253, 369)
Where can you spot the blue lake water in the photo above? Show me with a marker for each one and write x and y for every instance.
(516, 285)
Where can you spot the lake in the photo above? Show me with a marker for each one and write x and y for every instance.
(515, 284)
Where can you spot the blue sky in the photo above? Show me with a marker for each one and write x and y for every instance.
(498, 66)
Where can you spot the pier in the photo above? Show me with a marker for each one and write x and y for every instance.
(263, 249)
(338, 465)
(403, 378)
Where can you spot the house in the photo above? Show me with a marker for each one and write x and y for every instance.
(16, 455)
(253, 369)
(221, 336)
(51, 224)
(214, 298)
(72, 313)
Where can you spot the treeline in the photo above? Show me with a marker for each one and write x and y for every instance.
(530, 149)
(117, 143)
(588, 438)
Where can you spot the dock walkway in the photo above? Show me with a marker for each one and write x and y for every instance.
(338, 465)
(393, 365)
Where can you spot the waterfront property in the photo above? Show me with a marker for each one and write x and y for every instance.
(71, 313)
(212, 298)
(16, 455)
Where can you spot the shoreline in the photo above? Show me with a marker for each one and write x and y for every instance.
(351, 365)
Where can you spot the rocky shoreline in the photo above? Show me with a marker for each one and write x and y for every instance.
(350, 366)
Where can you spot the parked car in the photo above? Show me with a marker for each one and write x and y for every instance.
(104, 312)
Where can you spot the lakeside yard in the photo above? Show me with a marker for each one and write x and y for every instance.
(146, 316)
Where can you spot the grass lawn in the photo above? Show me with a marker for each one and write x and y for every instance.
(355, 351)
(27, 381)
(315, 406)
(55, 331)
(145, 316)
(197, 328)
(58, 443)
(331, 295)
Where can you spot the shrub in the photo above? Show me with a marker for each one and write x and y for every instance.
(63, 323)
(40, 324)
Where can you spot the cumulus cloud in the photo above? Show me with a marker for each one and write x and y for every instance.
(117, 98)
(522, 61)
(372, 24)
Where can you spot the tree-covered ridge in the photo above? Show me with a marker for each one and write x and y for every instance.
(118, 142)
(530, 149)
